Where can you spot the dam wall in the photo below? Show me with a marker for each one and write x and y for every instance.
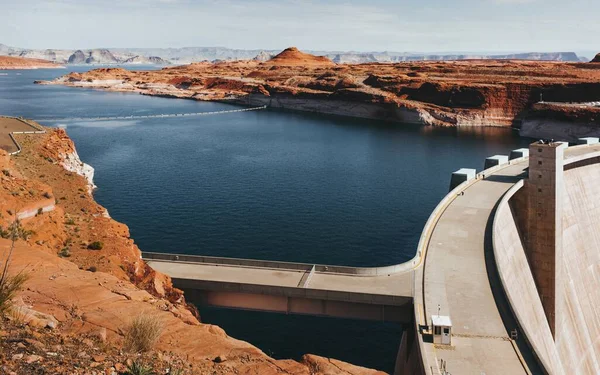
(576, 346)
(578, 325)
(518, 282)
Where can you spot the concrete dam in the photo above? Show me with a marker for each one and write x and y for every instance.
(504, 280)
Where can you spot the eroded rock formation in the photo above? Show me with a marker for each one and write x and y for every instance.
(452, 93)
(9, 62)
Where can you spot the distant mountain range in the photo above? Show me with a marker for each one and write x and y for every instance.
(165, 56)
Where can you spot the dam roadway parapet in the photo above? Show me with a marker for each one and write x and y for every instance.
(471, 266)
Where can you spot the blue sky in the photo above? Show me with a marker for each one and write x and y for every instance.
(375, 25)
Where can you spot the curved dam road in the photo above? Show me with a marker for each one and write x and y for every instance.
(458, 281)
(454, 273)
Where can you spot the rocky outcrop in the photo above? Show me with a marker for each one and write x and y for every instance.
(293, 57)
(72, 163)
(78, 57)
(263, 56)
(596, 59)
(151, 60)
(188, 55)
(354, 58)
(7, 62)
(567, 122)
(101, 56)
(457, 93)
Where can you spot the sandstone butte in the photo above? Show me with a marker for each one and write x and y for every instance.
(596, 59)
(96, 293)
(444, 93)
(11, 62)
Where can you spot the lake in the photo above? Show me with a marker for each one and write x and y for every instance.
(267, 185)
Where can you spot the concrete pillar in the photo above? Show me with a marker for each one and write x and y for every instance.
(544, 243)
(460, 176)
(495, 160)
(587, 141)
(519, 153)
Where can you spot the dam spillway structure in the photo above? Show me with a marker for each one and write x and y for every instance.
(536, 254)
(507, 267)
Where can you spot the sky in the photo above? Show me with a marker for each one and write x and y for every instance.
(333, 25)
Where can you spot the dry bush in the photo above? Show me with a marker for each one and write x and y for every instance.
(142, 333)
(9, 284)
(19, 316)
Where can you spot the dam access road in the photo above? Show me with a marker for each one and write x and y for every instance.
(454, 274)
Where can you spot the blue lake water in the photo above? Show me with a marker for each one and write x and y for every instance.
(267, 185)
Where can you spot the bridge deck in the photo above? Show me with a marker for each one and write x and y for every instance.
(392, 289)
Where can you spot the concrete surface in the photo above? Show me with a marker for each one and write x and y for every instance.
(518, 153)
(495, 160)
(456, 279)
(460, 176)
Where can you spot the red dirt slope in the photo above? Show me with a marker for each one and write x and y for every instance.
(11, 62)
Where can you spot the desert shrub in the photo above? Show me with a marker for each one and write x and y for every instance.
(65, 252)
(47, 195)
(96, 245)
(15, 231)
(6, 172)
(70, 221)
(25, 234)
(142, 333)
(9, 286)
(92, 269)
(40, 211)
(138, 368)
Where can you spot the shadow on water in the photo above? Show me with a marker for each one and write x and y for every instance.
(363, 343)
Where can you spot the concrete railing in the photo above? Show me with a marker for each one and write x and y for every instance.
(290, 266)
(11, 134)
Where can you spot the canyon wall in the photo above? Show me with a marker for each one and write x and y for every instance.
(455, 93)
(563, 130)
(563, 121)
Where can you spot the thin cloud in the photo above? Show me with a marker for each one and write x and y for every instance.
(339, 25)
